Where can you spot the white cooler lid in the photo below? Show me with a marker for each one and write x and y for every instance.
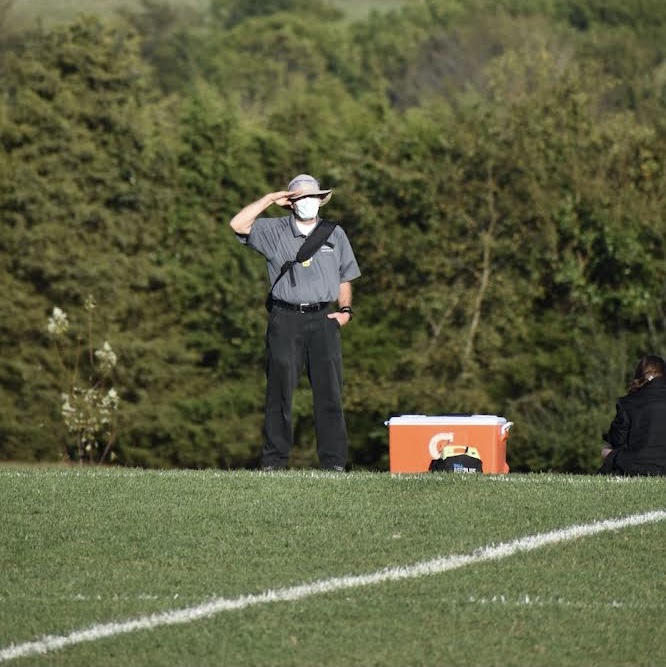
(471, 420)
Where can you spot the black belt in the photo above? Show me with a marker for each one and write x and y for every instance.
(301, 307)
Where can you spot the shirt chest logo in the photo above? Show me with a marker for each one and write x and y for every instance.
(308, 262)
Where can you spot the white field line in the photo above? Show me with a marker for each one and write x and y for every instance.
(436, 566)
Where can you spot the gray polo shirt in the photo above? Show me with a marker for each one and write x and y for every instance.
(279, 239)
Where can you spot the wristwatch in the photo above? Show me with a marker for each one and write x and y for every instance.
(348, 310)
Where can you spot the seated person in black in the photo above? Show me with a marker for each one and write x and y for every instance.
(636, 440)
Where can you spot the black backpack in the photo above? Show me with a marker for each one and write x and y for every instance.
(457, 459)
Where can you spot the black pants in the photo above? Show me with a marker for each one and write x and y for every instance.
(295, 341)
(617, 462)
(623, 461)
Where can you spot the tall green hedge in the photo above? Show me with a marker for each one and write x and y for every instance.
(499, 168)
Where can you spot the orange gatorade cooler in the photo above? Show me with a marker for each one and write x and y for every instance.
(415, 440)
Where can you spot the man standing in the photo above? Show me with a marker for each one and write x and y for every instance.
(302, 330)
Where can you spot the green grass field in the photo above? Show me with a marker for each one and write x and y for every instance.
(25, 12)
(129, 567)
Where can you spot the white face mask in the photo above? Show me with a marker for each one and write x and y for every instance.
(306, 208)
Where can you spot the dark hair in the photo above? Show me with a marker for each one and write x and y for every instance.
(648, 368)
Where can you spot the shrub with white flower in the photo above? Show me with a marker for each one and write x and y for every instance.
(58, 323)
(89, 408)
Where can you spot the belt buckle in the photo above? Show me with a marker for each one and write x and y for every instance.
(302, 306)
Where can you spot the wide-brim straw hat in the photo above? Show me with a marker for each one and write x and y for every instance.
(309, 187)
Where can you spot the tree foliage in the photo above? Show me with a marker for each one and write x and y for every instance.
(499, 168)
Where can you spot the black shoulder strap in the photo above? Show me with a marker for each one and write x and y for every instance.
(317, 238)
